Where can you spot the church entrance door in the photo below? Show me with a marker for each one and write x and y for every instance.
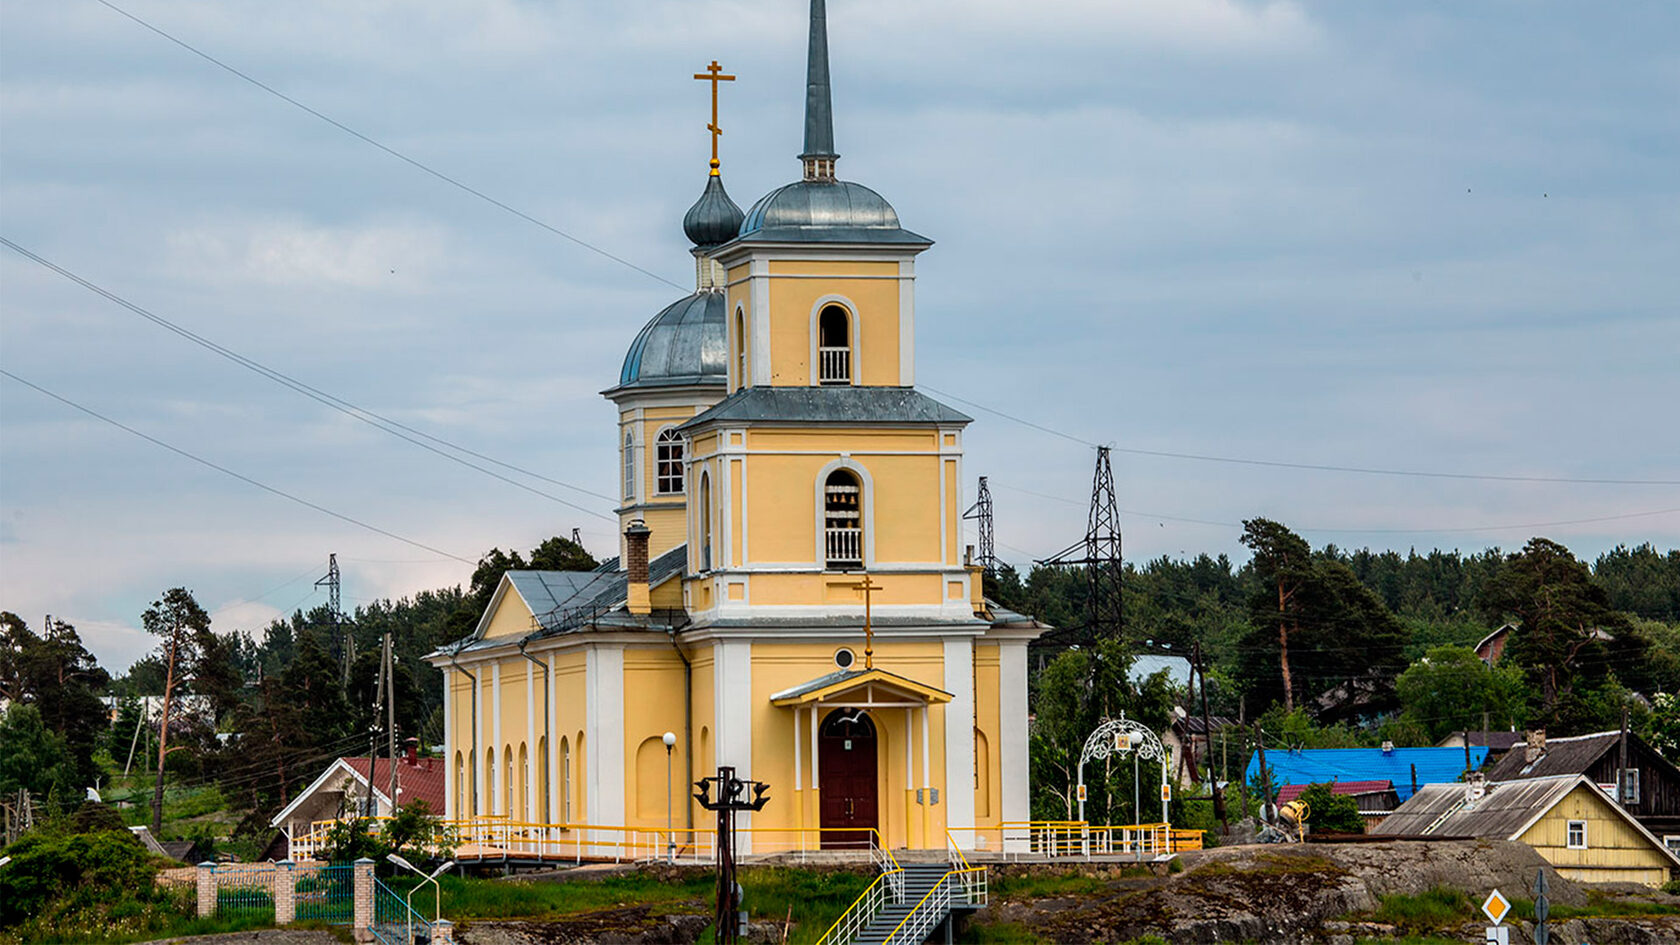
(846, 777)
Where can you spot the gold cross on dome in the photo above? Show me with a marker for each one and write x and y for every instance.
(714, 74)
(867, 586)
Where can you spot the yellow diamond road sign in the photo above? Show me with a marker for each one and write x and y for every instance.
(1497, 907)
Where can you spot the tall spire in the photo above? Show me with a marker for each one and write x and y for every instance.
(819, 153)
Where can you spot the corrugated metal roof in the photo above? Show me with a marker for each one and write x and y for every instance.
(543, 591)
(1440, 809)
(1145, 665)
(829, 405)
(1323, 765)
(1572, 755)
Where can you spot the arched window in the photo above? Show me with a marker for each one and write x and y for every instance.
(524, 811)
(507, 782)
(834, 346)
(668, 453)
(705, 521)
(565, 780)
(629, 465)
(545, 810)
(489, 780)
(741, 379)
(842, 521)
(460, 785)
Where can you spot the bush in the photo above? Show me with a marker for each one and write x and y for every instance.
(1331, 812)
(75, 873)
(413, 833)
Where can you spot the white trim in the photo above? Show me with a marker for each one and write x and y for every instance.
(530, 772)
(854, 340)
(496, 742)
(959, 737)
(737, 333)
(866, 510)
(759, 319)
(450, 800)
(552, 754)
(1012, 731)
(944, 516)
(653, 469)
(732, 711)
(604, 696)
(1627, 818)
(476, 752)
(725, 520)
(1569, 834)
(315, 785)
(907, 323)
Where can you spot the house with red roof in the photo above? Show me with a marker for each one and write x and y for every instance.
(345, 790)
(1375, 798)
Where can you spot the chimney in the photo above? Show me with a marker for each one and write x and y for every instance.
(411, 751)
(1474, 790)
(1536, 745)
(636, 563)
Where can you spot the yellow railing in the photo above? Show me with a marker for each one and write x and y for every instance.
(1053, 839)
(887, 887)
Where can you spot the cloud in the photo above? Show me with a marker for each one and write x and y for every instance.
(297, 254)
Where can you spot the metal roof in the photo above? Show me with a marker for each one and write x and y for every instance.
(845, 680)
(1572, 755)
(829, 405)
(1502, 812)
(826, 211)
(714, 219)
(683, 344)
(1145, 665)
(543, 591)
(819, 101)
(1323, 765)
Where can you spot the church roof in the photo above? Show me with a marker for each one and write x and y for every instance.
(829, 405)
(825, 211)
(845, 680)
(714, 218)
(683, 344)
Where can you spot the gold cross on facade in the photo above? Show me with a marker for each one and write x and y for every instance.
(714, 74)
(867, 586)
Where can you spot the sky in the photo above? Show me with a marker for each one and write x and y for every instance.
(1423, 237)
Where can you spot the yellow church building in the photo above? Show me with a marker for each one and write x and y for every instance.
(784, 486)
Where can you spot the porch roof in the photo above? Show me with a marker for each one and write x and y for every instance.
(846, 684)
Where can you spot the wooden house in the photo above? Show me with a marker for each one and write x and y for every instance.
(1567, 819)
(1652, 782)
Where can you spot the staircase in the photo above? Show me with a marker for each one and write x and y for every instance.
(919, 880)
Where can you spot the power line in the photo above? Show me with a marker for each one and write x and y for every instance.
(240, 476)
(1376, 531)
(413, 162)
(1320, 467)
(375, 420)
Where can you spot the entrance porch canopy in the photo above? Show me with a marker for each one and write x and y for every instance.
(862, 689)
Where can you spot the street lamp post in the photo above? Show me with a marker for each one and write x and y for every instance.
(424, 879)
(670, 740)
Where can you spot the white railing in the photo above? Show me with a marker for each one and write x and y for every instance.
(835, 365)
(887, 887)
(844, 545)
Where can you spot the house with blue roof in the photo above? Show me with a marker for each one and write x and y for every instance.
(1408, 768)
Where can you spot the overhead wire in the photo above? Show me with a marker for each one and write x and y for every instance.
(237, 475)
(375, 420)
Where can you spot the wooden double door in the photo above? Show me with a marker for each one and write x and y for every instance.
(847, 779)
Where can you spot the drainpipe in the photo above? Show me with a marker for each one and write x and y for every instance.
(472, 782)
(688, 724)
(548, 737)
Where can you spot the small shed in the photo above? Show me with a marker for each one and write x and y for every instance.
(1375, 798)
(1566, 819)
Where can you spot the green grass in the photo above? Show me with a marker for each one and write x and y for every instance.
(1048, 885)
(1432, 910)
(1598, 906)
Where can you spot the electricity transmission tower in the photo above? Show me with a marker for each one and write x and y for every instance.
(1100, 555)
(981, 513)
(346, 646)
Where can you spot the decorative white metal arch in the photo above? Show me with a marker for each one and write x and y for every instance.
(1122, 736)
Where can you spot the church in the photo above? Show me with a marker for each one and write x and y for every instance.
(791, 597)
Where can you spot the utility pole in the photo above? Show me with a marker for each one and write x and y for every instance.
(1265, 774)
(390, 723)
(346, 648)
(373, 738)
(1621, 770)
(1207, 733)
(1100, 553)
(1466, 735)
(981, 514)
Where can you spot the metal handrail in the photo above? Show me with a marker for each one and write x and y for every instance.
(874, 897)
(920, 920)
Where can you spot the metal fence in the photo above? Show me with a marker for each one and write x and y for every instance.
(245, 891)
(326, 894)
(394, 922)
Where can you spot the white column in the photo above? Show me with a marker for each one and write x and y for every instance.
(478, 799)
(959, 739)
(555, 775)
(758, 322)
(907, 323)
(732, 688)
(451, 745)
(497, 804)
(816, 782)
(1013, 761)
(604, 694)
(529, 774)
(927, 784)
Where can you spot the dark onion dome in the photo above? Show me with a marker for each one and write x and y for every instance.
(684, 344)
(825, 211)
(714, 218)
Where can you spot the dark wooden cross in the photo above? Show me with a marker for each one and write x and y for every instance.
(714, 74)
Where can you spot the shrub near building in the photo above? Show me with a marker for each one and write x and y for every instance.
(1330, 812)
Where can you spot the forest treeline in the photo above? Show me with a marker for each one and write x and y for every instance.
(1365, 645)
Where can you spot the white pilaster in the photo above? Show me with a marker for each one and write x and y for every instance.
(732, 685)
(552, 760)
(478, 765)
(758, 322)
(451, 746)
(1013, 761)
(604, 696)
(907, 323)
(497, 804)
(530, 766)
(959, 739)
